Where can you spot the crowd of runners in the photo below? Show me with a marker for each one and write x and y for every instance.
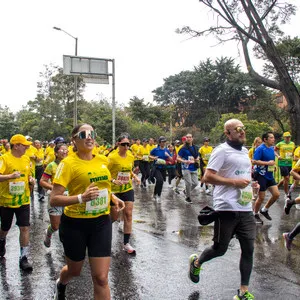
(89, 186)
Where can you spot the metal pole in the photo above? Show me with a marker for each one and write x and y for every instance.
(113, 104)
(75, 90)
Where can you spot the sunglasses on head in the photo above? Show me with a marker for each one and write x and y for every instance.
(124, 144)
(84, 134)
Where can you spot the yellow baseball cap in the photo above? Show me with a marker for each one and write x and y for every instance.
(286, 134)
(19, 139)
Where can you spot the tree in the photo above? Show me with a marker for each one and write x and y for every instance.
(254, 128)
(289, 50)
(257, 21)
(201, 96)
(8, 124)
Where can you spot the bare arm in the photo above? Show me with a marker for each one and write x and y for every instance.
(58, 199)
(211, 176)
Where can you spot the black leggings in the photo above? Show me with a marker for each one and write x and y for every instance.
(145, 170)
(229, 223)
(295, 231)
(160, 176)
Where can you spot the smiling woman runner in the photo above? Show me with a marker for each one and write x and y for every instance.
(85, 223)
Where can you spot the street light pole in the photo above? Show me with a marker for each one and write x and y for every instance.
(75, 77)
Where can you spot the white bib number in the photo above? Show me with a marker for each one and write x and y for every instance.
(246, 195)
(98, 205)
(123, 177)
(17, 188)
(146, 157)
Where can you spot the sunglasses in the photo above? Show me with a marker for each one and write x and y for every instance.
(239, 129)
(124, 144)
(84, 134)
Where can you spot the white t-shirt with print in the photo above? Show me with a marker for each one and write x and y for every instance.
(231, 163)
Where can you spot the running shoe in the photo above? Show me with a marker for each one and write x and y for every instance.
(129, 249)
(158, 199)
(287, 205)
(60, 290)
(25, 265)
(188, 200)
(2, 247)
(47, 239)
(258, 220)
(266, 214)
(176, 190)
(287, 241)
(245, 296)
(193, 270)
(207, 191)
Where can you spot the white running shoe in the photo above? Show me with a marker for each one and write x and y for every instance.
(129, 249)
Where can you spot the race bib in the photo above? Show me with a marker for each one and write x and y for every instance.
(17, 188)
(271, 168)
(207, 156)
(288, 155)
(246, 195)
(146, 157)
(124, 177)
(98, 205)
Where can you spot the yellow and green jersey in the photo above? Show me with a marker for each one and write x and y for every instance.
(75, 175)
(15, 192)
(121, 169)
(286, 153)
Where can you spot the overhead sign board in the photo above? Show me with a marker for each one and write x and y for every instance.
(93, 70)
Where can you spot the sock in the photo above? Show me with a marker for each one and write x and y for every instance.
(24, 251)
(126, 238)
(292, 187)
(264, 209)
(50, 230)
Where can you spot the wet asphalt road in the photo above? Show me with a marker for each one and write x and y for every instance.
(164, 236)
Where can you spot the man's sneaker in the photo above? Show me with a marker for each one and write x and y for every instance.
(47, 239)
(129, 249)
(2, 247)
(176, 190)
(60, 290)
(41, 197)
(265, 214)
(245, 296)
(258, 220)
(25, 265)
(188, 200)
(288, 205)
(193, 270)
(158, 199)
(287, 241)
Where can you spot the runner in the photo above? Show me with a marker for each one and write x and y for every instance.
(144, 163)
(61, 151)
(15, 179)
(85, 223)
(120, 165)
(159, 154)
(204, 152)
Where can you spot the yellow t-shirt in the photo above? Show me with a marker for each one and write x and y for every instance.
(40, 155)
(120, 168)
(205, 152)
(296, 168)
(15, 192)
(136, 150)
(144, 153)
(76, 175)
(286, 153)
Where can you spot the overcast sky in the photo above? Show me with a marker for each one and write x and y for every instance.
(138, 34)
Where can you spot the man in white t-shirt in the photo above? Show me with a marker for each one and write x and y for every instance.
(229, 169)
